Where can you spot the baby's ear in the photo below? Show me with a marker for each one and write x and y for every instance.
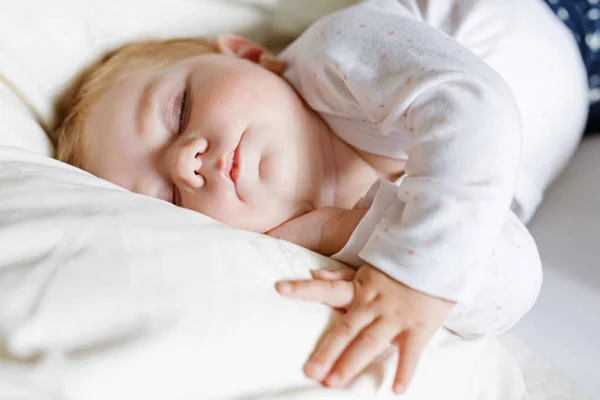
(233, 45)
(237, 46)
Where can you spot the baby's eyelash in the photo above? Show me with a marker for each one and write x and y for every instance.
(183, 111)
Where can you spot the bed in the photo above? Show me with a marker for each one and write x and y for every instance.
(564, 324)
(106, 294)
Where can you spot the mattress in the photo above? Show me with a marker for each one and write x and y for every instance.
(542, 380)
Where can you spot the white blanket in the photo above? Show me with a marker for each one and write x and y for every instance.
(109, 295)
(127, 297)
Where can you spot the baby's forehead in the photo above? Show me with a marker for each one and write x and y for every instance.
(160, 59)
(138, 66)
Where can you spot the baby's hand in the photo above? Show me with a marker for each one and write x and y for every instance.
(325, 230)
(380, 312)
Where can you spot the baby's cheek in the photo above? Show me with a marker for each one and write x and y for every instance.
(207, 204)
(258, 214)
(230, 212)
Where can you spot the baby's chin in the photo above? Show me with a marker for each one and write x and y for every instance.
(258, 224)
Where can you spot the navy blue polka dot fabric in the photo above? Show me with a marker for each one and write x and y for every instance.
(582, 17)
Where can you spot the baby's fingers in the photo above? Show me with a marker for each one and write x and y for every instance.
(410, 344)
(335, 343)
(369, 344)
(345, 274)
(337, 293)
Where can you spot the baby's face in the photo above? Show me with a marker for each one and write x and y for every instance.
(214, 133)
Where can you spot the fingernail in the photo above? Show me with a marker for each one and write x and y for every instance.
(315, 370)
(320, 273)
(399, 389)
(333, 380)
(284, 287)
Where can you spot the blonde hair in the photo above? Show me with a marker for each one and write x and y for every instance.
(74, 103)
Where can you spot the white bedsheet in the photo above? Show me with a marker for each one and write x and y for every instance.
(564, 325)
(542, 380)
(128, 297)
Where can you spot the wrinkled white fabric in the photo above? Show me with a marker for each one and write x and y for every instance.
(122, 296)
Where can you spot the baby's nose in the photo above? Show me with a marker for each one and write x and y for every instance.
(187, 163)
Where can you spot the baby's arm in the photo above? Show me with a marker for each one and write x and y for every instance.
(389, 84)
(325, 230)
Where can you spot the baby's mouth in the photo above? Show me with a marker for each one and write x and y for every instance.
(226, 164)
(234, 171)
(230, 165)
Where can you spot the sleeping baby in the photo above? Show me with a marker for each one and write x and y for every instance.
(373, 138)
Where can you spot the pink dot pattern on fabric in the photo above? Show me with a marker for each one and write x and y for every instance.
(363, 25)
(411, 252)
(382, 106)
(391, 33)
(383, 57)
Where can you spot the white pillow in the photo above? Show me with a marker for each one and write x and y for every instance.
(129, 297)
(291, 17)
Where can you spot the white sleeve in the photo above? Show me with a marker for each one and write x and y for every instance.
(430, 100)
